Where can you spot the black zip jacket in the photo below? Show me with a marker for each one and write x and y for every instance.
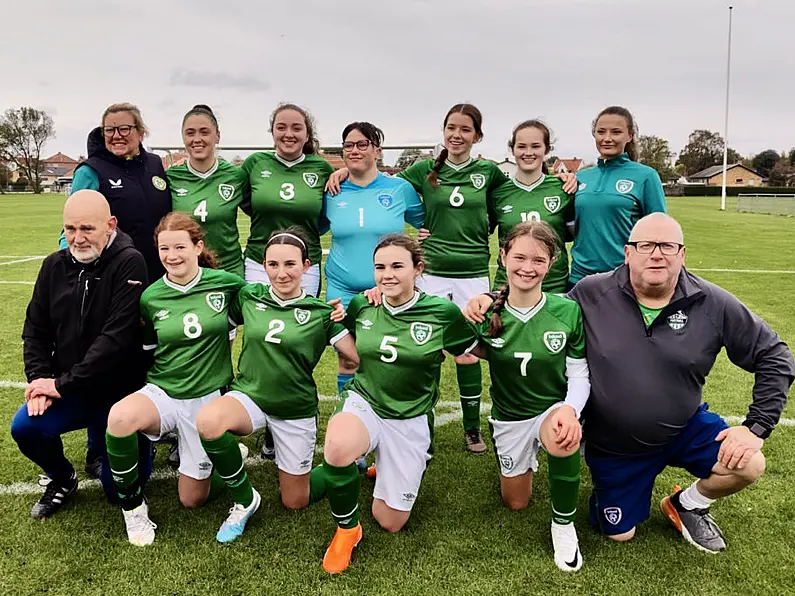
(83, 324)
(647, 383)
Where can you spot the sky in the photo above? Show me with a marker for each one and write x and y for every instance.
(402, 64)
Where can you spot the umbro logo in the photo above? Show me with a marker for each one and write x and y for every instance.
(367, 324)
(261, 306)
(205, 465)
(115, 183)
(161, 315)
(306, 463)
(342, 205)
(266, 174)
(181, 192)
(497, 342)
(409, 496)
(507, 209)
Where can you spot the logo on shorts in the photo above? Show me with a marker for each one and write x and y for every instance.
(555, 341)
(677, 321)
(205, 465)
(265, 174)
(478, 180)
(409, 496)
(216, 301)
(310, 179)
(301, 315)
(497, 342)
(421, 333)
(227, 191)
(624, 186)
(385, 201)
(613, 515)
(161, 315)
(367, 324)
(306, 463)
(582, 186)
(552, 203)
(260, 306)
(506, 462)
(158, 183)
(181, 192)
(507, 209)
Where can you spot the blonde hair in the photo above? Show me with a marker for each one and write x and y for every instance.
(130, 109)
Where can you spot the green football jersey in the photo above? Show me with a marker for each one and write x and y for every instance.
(285, 194)
(456, 215)
(527, 362)
(545, 200)
(400, 351)
(188, 328)
(212, 199)
(283, 343)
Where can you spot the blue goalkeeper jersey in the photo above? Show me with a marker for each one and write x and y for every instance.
(358, 217)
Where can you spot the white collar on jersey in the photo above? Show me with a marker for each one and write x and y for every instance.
(281, 302)
(187, 287)
(202, 175)
(289, 164)
(523, 315)
(533, 186)
(457, 166)
(396, 310)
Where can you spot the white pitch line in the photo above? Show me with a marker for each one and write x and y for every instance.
(766, 271)
(22, 256)
(25, 260)
(12, 384)
(18, 283)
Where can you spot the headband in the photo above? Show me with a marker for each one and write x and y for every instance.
(293, 236)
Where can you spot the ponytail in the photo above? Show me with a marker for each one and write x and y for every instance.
(495, 323)
(433, 175)
(207, 259)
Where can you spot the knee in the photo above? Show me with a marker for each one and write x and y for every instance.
(336, 453)
(552, 449)
(295, 501)
(466, 359)
(22, 426)
(192, 501)
(209, 424)
(393, 526)
(625, 537)
(515, 503)
(122, 420)
(347, 365)
(754, 469)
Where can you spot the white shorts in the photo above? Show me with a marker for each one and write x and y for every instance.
(459, 291)
(517, 443)
(180, 415)
(401, 452)
(310, 282)
(294, 440)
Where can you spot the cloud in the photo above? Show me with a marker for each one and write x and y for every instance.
(216, 80)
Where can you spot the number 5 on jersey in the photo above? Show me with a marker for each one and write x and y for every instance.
(385, 347)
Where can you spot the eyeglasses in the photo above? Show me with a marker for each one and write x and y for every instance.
(360, 145)
(123, 130)
(646, 247)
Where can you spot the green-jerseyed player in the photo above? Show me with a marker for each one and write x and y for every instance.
(535, 345)
(186, 324)
(387, 407)
(287, 190)
(534, 196)
(209, 189)
(286, 334)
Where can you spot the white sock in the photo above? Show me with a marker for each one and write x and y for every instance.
(690, 498)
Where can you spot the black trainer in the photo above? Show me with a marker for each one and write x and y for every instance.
(55, 496)
(268, 450)
(93, 465)
(696, 525)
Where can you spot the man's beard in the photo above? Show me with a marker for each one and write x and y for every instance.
(85, 256)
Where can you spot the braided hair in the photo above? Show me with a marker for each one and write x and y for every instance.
(541, 232)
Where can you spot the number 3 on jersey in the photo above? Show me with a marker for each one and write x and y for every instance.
(288, 191)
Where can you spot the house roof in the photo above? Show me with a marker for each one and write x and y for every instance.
(336, 161)
(712, 171)
(58, 171)
(60, 159)
(174, 159)
(572, 165)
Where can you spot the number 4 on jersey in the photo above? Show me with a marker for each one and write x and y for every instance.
(201, 211)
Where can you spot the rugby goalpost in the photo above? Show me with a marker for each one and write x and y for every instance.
(769, 203)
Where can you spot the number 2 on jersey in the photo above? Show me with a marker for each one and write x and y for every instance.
(201, 211)
(275, 327)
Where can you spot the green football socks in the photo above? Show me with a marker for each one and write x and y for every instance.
(470, 386)
(228, 465)
(123, 461)
(564, 486)
(343, 493)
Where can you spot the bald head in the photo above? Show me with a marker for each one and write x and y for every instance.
(87, 224)
(658, 227)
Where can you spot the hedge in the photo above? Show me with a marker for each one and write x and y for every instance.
(733, 191)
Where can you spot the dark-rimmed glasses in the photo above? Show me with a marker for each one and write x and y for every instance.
(123, 130)
(646, 247)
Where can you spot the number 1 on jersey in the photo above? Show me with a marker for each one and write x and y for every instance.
(361, 217)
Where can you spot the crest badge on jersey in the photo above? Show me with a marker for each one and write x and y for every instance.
(478, 180)
(301, 315)
(216, 301)
(555, 341)
(677, 321)
(310, 178)
(552, 203)
(158, 183)
(385, 201)
(624, 186)
(613, 515)
(227, 191)
(421, 333)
